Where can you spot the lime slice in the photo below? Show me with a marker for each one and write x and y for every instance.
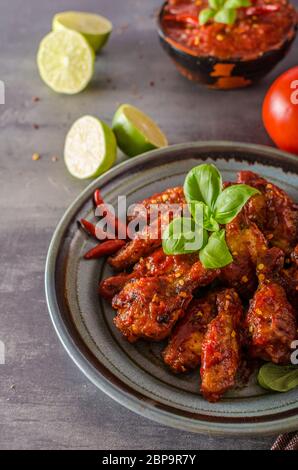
(65, 61)
(90, 148)
(95, 28)
(136, 132)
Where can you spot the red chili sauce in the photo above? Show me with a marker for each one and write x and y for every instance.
(262, 27)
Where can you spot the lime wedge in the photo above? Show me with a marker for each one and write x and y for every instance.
(136, 132)
(90, 148)
(65, 61)
(95, 28)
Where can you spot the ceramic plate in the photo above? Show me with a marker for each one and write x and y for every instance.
(134, 375)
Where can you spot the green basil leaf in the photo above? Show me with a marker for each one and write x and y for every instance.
(203, 216)
(231, 201)
(205, 15)
(182, 236)
(197, 210)
(216, 4)
(203, 183)
(237, 3)
(226, 16)
(209, 222)
(278, 378)
(216, 253)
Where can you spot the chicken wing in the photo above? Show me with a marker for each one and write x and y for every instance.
(247, 245)
(156, 264)
(274, 212)
(167, 197)
(271, 324)
(183, 352)
(221, 347)
(149, 307)
(146, 241)
(288, 278)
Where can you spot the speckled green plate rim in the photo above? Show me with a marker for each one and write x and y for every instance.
(104, 379)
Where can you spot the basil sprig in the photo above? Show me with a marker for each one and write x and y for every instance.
(183, 236)
(211, 207)
(222, 11)
(216, 253)
(278, 378)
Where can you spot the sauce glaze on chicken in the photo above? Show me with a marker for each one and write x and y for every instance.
(214, 319)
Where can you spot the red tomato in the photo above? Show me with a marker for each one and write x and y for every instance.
(280, 111)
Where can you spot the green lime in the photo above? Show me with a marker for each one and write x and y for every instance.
(90, 148)
(136, 132)
(95, 28)
(65, 61)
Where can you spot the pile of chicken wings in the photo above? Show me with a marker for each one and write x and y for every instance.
(214, 318)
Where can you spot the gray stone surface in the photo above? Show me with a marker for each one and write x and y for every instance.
(45, 402)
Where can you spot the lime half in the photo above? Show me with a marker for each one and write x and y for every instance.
(95, 28)
(65, 61)
(90, 148)
(136, 132)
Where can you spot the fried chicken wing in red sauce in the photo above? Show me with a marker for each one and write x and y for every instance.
(274, 212)
(155, 294)
(145, 242)
(149, 307)
(167, 197)
(287, 277)
(184, 349)
(270, 320)
(247, 244)
(221, 347)
(271, 324)
(156, 264)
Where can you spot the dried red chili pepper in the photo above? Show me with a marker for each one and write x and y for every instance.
(110, 217)
(96, 231)
(104, 249)
(98, 197)
(88, 227)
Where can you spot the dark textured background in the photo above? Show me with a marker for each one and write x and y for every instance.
(45, 402)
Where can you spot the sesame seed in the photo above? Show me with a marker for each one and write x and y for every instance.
(261, 277)
(233, 334)
(261, 266)
(244, 279)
